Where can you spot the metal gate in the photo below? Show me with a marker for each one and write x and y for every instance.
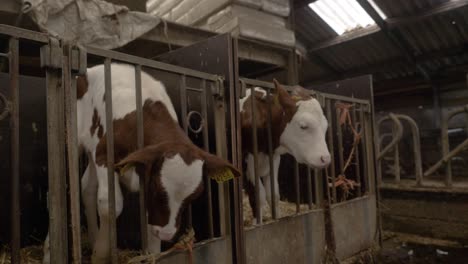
(200, 101)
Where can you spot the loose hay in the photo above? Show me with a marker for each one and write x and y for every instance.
(284, 209)
(33, 255)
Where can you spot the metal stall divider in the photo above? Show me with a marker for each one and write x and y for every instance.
(74, 62)
(216, 91)
(218, 55)
(54, 61)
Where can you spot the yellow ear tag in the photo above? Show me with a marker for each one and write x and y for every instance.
(125, 168)
(222, 175)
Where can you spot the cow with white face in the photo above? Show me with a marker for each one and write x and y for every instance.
(170, 164)
(298, 128)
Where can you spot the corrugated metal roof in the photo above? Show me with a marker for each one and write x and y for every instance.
(342, 15)
(437, 42)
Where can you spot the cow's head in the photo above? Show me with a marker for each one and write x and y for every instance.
(304, 134)
(173, 174)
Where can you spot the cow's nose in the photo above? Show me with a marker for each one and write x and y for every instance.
(325, 159)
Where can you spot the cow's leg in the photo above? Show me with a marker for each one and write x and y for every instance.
(154, 243)
(267, 181)
(101, 247)
(89, 187)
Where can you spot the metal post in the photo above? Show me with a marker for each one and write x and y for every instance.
(331, 145)
(57, 199)
(258, 208)
(69, 86)
(110, 161)
(339, 134)
(270, 159)
(297, 187)
(309, 188)
(396, 156)
(357, 163)
(183, 115)
(15, 152)
(219, 108)
(206, 145)
(364, 144)
(140, 145)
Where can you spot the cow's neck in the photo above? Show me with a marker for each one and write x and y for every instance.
(159, 127)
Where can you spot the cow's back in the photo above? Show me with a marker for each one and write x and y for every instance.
(91, 100)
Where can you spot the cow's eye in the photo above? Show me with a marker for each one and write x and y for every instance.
(304, 126)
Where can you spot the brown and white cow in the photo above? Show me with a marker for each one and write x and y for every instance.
(170, 164)
(298, 128)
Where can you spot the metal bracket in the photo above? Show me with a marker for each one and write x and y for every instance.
(79, 59)
(218, 89)
(6, 107)
(51, 55)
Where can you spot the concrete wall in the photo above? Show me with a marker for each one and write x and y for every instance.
(441, 215)
(301, 239)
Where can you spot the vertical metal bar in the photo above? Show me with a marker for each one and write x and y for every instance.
(396, 156)
(14, 151)
(183, 115)
(364, 146)
(258, 208)
(234, 96)
(110, 161)
(297, 187)
(57, 200)
(339, 133)
(357, 165)
(309, 188)
(317, 187)
(140, 145)
(445, 142)
(219, 108)
(72, 151)
(206, 145)
(331, 144)
(273, 179)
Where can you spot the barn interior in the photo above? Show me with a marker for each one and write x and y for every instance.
(401, 65)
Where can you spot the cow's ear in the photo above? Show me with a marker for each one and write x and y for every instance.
(143, 157)
(219, 169)
(286, 101)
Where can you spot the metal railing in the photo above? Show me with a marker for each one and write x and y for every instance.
(200, 96)
(448, 154)
(397, 134)
(362, 162)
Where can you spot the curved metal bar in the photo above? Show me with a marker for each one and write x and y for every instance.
(396, 138)
(202, 122)
(416, 147)
(446, 146)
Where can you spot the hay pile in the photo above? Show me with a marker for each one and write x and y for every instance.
(33, 255)
(284, 209)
